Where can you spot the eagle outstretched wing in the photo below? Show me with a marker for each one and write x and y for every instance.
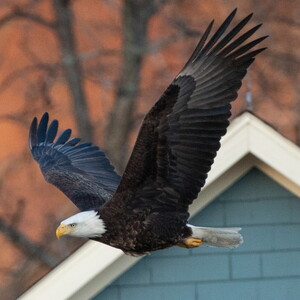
(81, 171)
(180, 135)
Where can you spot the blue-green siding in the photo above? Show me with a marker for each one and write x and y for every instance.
(266, 266)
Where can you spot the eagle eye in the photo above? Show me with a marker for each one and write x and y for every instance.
(73, 225)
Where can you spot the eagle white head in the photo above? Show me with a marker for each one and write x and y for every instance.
(85, 224)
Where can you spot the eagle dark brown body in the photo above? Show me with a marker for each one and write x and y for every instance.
(147, 208)
(138, 231)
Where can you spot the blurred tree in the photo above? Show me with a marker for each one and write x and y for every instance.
(53, 44)
(63, 28)
(136, 15)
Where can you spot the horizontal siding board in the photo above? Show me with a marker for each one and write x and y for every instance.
(170, 252)
(270, 238)
(228, 290)
(286, 236)
(294, 207)
(257, 238)
(258, 212)
(282, 264)
(190, 269)
(275, 289)
(254, 185)
(111, 293)
(213, 215)
(246, 266)
(139, 274)
(280, 289)
(165, 292)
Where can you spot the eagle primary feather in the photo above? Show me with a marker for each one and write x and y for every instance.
(174, 151)
(81, 171)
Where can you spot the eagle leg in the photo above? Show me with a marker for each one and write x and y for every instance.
(190, 243)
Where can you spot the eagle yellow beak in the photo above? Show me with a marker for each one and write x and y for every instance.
(62, 230)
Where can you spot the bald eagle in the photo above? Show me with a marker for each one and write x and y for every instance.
(147, 208)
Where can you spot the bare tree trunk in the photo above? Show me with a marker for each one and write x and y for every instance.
(136, 15)
(72, 66)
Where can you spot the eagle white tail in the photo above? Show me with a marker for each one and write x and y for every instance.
(218, 237)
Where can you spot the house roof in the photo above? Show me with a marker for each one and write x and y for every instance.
(248, 143)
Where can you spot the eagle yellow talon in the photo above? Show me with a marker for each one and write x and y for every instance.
(190, 243)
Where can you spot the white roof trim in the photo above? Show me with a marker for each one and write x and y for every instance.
(249, 142)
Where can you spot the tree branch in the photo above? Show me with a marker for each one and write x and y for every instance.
(20, 13)
(34, 18)
(72, 67)
(136, 16)
(7, 81)
(26, 246)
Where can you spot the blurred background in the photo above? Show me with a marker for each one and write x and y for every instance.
(98, 66)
